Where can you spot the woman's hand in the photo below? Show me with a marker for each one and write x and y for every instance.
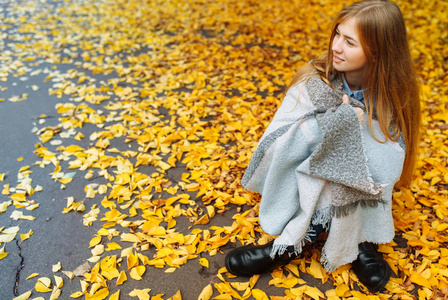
(358, 110)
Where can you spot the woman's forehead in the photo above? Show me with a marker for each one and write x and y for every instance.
(349, 28)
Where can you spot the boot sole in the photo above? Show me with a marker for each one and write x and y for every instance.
(380, 286)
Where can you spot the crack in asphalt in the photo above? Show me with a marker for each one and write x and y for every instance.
(19, 268)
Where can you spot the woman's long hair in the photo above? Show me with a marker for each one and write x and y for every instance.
(390, 77)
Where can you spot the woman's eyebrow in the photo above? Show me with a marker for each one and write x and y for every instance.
(349, 37)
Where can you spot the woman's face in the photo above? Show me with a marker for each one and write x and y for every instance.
(348, 55)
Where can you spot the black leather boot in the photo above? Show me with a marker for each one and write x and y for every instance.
(250, 260)
(370, 267)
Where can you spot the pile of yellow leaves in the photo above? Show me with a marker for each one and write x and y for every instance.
(188, 87)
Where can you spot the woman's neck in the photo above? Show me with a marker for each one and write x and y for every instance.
(354, 81)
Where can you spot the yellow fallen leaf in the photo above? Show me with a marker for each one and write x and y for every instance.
(4, 206)
(204, 262)
(112, 246)
(317, 270)
(58, 282)
(141, 294)
(203, 220)
(26, 236)
(8, 237)
(94, 259)
(79, 136)
(132, 260)
(359, 295)
(137, 272)
(102, 189)
(17, 214)
(6, 190)
(57, 267)
(90, 192)
(20, 197)
(223, 297)
(240, 286)
(420, 280)
(84, 286)
(10, 230)
(238, 200)
(43, 285)
(77, 295)
(69, 274)
(115, 296)
(176, 296)
(210, 211)
(165, 166)
(55, 294)
(95, 241)
(121, 278)
(206, 293)
(97, 250)
(24, 296)
(129, 237)
(66, 180)
(331, 293)
(341, 290)
(170, 270)
(259, 294)
(276, 281)
(171, 223)
(32, 276)
(253, 280)
(3, 254)
(98, 295)
(103, 232)
(180, 261)
(32, 206)
(314, 293)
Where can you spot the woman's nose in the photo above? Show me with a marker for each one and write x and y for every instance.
(336, 46)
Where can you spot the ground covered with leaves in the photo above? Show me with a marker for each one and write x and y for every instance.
(176, 95)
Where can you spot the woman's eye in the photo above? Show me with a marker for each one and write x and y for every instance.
(350, 43)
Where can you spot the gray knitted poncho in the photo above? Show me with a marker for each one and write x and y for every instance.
(316, 164)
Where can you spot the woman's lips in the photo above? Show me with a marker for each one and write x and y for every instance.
(337, 59)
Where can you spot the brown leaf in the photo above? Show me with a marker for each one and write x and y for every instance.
(82, 269)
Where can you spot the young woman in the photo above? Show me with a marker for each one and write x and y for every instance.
(344, 136)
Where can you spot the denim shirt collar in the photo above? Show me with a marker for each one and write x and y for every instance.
(358, 95)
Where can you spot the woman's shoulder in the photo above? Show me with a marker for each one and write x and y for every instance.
(297, 99)
(310, 83)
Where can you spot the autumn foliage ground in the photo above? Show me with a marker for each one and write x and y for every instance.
(191, 86)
